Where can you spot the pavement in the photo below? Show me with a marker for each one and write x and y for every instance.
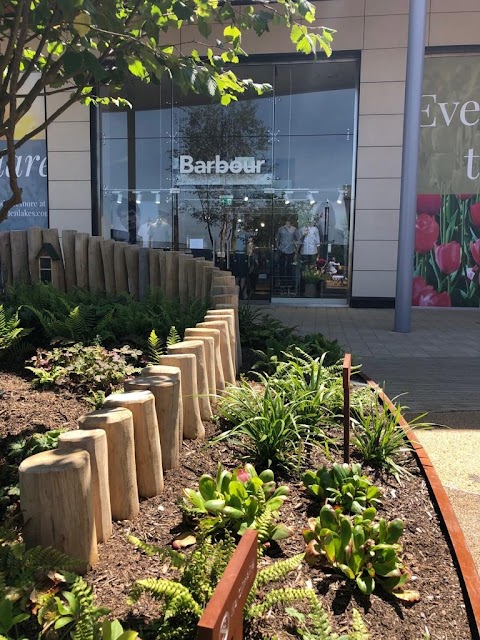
(434, 369)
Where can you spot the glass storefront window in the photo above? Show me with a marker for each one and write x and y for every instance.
(262, 185)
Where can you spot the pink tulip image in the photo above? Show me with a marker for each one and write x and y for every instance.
(475, 250)
(426, 233)
(430, 203)
(448, 256)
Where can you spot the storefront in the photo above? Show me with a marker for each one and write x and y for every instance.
(264, 185)
(296, 191)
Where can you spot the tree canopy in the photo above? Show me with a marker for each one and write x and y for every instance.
(76, 46)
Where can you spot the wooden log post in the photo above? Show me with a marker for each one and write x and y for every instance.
(233, 305)
(143, 272)
(96, 278)
(233, 310)
(209, 347)
(34, 243)
(192, 422)
(183, 293)
(81, 260)
(120, 266)
(68, 246)
(197, 347)
(95, 443)
(57, 505)
(20, 266)
(122, 476)
(225, 346)
(131, 259)
(229, 315)
(58, 269)
(207, 280)
(162, 266)
(219, 280)
(148, 454)
(191, 277)
(199, 267)
(171, 268)
(217, 355)
(154, 270)
(6, 259)
(166, 392)
(107, 249)
(175, 374)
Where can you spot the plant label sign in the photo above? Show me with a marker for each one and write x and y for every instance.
(223, 615)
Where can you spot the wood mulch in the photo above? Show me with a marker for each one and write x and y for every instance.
(440, 613)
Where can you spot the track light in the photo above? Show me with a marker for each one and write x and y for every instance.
(245, 199)
(340, 196)
(157, 197)
(138, 196)
(119, 197)
(288, 195)
(262, 224)
(310, 197)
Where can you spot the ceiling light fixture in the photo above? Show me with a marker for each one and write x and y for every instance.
(340, 196)
(310, 197)
(119, 197)
(245, 199)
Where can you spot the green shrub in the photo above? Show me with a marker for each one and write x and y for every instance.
(10, 331)
(274, 429)
(87, 317)
(378, 436)
(23, 447)
(237, 501)
(343, 486)
(361, 549)
(84, 369)
(182, 601)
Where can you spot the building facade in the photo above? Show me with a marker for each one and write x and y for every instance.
(298, 190)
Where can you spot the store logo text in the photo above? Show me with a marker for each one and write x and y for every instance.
(237, 165)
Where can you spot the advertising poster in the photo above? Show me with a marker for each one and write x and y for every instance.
(31, 168)
(447, 232)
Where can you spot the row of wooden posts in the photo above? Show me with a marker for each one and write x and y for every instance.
(102, 266)
(70, 495)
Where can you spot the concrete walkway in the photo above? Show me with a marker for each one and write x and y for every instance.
(437, 367)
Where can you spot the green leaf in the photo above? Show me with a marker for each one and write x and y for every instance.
(82, 23)
(63, 621)
(137, 68)
(366, 584)
(214, 505)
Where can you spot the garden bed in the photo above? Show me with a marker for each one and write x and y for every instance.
(440, 614)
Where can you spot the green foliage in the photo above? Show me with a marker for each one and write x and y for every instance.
(96, 398)
(378, 436)
(10, 331)
(182, 602)
(90, 318)
(74, 609)
(84, 368)
(156, 348)
(11, 614)
(343, 486)
(361, 549)
(23, 447)
(273, 342)
(278, 424)
(237, 501)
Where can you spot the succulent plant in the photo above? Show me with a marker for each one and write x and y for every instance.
(238, 501)
(362, 549)
(343, 485)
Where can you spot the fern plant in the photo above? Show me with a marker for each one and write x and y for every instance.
(155, 346)
(10, 331)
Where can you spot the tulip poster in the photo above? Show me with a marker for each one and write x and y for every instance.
(447, 232)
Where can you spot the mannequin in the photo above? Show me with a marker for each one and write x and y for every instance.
(311, 243)
(287, 237)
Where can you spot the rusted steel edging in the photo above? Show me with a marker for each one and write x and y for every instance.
(346, 375)
(468, 571)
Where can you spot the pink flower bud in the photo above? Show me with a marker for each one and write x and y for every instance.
(243, 476)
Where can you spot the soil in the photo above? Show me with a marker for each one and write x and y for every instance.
(441, 612)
